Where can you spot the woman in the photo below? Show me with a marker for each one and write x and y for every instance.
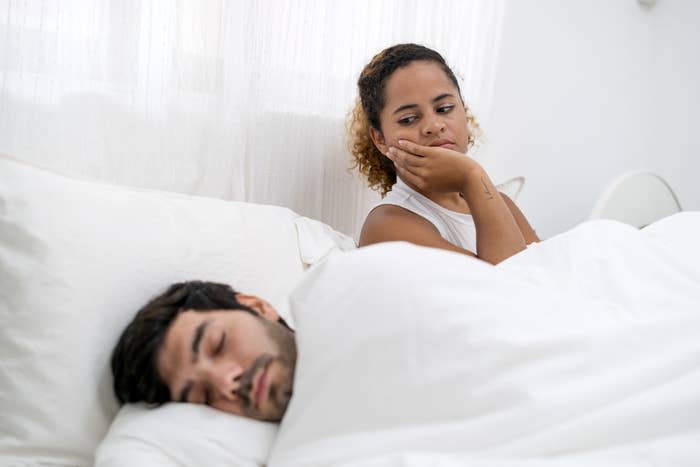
(409, 133)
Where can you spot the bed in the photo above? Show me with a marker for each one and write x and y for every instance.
(581, 350)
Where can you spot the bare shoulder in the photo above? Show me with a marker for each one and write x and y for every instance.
(387, 223)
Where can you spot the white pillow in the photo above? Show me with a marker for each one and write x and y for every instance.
(177, 435)
(77, 259)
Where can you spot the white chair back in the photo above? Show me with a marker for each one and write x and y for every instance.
(637, 198)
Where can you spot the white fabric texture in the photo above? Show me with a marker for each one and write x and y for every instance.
(581, 350)
(77, 259)
(188, 435)
(241, 100)
(317, 240)
(455, 227)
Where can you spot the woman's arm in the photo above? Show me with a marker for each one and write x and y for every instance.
(498, 236)
(525, 228)
(436, 169)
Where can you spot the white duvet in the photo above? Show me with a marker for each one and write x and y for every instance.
(583, 350)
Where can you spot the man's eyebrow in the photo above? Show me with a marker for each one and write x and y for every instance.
(198, 339)
(196, 342)
(412, 106)
(184, 394)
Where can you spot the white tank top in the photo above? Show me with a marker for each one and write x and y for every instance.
(455, 227)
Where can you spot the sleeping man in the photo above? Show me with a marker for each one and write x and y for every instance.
(205, 343)
(585, 345)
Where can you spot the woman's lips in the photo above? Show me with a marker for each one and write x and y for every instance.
(444, 144)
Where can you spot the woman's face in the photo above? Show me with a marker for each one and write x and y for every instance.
(422, 106)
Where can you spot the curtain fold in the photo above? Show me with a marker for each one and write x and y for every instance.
(241, 100)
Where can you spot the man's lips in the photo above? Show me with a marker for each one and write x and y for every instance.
(260, 387)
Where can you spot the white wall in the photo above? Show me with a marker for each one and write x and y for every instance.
(586, 90)
(583, 91)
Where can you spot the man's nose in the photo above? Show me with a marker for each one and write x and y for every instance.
(224, 379)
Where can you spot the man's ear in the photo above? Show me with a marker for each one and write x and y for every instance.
(378, 140)
(264, 308)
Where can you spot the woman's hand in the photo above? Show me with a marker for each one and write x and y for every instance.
(436, 169)
(433, 169)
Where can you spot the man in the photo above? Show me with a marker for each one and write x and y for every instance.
(205, 343)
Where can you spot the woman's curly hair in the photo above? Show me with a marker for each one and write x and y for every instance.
(372, 164)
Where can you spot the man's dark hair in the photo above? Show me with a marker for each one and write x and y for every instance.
(136, 377)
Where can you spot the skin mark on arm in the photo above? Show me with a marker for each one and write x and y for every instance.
(486, 188)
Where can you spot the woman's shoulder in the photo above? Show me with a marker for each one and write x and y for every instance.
(387, 222)
(383, 212)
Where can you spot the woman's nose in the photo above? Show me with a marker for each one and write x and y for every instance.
(433, 126)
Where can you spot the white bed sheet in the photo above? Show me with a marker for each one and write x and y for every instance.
(582, 350)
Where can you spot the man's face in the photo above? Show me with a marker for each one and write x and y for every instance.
(231, 360)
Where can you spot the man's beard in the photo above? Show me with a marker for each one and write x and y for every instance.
(279, 391)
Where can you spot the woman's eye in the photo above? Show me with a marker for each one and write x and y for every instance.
(408, 120)
(445, 108)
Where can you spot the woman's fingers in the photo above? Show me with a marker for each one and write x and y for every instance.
(401, 167)
(413, 148)
(431, 168)
(404, 163)
(405, 158)
(410, 176)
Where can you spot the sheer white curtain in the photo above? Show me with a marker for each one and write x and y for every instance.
(241, 100)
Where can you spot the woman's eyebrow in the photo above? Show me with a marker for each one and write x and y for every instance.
(442, 96)
(405, 107)
(412, 106)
